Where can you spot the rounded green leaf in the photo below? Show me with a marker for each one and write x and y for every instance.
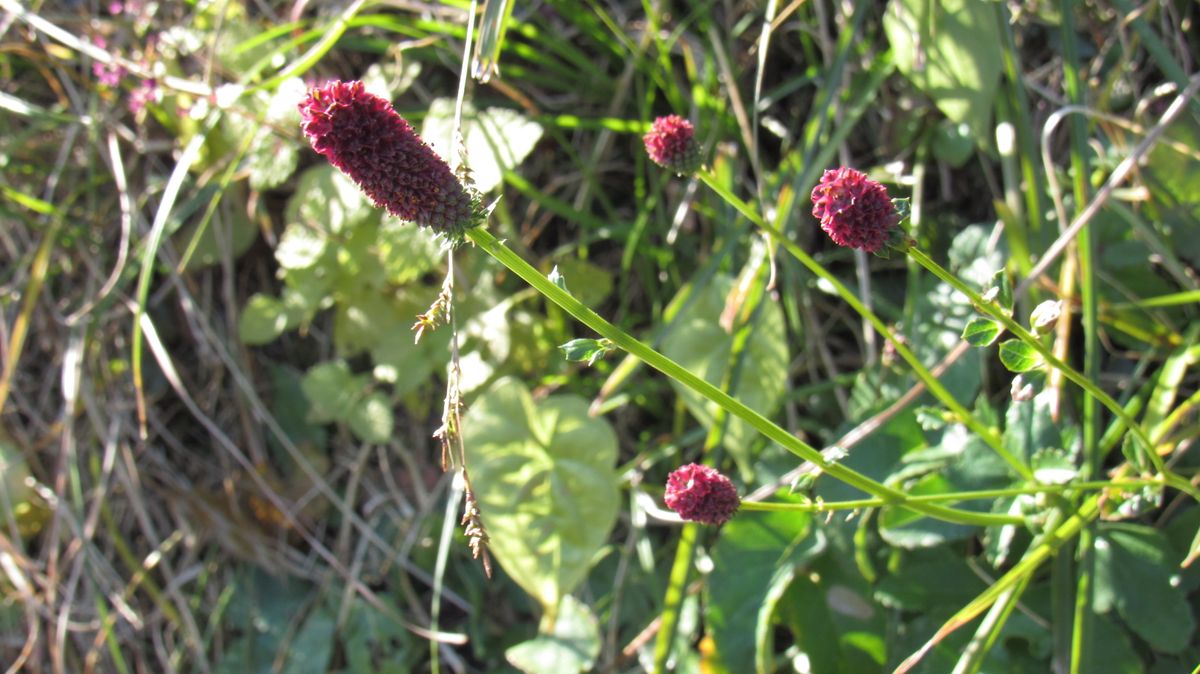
(543, 474)
(1018, 356)
(263, 319)
(698, 342)
(371, 418)
(981, 331)
(571, 647)
(332, 391)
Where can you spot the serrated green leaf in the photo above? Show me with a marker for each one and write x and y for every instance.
(753, 563)
(496, 139)
(263, 319)
(332, 391)
(981, 331)
(407, 252)
(1052, 465)
(1136, 573)
(543, 473)
(371, 418)
(699, 343)
(327, 202)
(1018, 356)
(300, 247)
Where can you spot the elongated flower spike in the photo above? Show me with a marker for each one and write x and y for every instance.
(671, 144)
(365, 138)
(854, 210)
(702, 494)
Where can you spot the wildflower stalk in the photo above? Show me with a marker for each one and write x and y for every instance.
(986, 433)
(486, 241)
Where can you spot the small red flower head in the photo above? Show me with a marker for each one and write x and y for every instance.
(701, 494)
(854, 210)
(364, 137)
(671, 144)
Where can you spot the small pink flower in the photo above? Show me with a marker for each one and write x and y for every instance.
(145, 92)
(364, 137)
(854, 210)
(671, 144)
(701, 494)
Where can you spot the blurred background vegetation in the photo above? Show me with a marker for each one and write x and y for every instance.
(215, 426)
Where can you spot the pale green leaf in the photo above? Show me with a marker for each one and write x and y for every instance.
(263, 319)
(371, 418)
(497, 139)
(1018, 356)
(951, 51)
(570, 648)
(543, 473)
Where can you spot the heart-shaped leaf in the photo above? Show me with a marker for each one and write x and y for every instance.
(544, 479)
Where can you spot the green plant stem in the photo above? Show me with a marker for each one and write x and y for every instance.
(1024, 335)
(987, 434)
(951, 497)
(676, 587)
(623, 340)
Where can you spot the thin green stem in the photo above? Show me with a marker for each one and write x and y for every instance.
(676, 586)
(951, 497)
(1024, 335)
(987, 434)
(623, 340)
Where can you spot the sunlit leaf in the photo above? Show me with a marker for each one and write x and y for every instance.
(497, 139)
(543, 472)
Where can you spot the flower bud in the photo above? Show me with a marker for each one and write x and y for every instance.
(701, 494)
(854, 210)
(671, 144)
(364, 137)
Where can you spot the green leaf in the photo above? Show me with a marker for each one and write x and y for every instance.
(371, 418)
(928, 580)
(332, 391)
(327, 202)
(311, 648)
(272, 155)
(754, 561)
(263, 319)
(497, 139)
(981, 331)
(407, 252)
(1003, 290)
(374, 643)
(1137, 573)
(1018, 356)
(590, 284)
(544, 475)
(572, 646)
(591, 350)
(951, 51)
(1029, 426)
(699, 343)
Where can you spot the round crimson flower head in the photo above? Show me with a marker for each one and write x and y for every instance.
(701, 494)
(854, 210)
(364, 137)
(671, 144)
